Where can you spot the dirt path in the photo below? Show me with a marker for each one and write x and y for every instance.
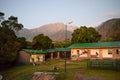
(50, 76)
(84, 77)
(43, 76)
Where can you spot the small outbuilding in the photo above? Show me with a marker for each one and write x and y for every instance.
(27, 56)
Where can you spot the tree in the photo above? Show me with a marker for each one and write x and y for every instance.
(12, 23)
(9, 46)
(84, 34)
(41, 42)
(9, 43)
(1, 16)
(23, 42)
(62, 44)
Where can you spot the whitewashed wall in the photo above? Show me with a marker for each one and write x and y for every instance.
(35, 56)
(93, 52)
(105, 53)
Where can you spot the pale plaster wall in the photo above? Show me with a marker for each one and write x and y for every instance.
(105, 53)
(36, 56)
(93, 51)
(74, 52)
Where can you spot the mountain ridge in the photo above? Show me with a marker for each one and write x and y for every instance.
(110, 30)
(56, 31)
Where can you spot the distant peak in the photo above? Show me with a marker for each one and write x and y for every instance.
(54, 23)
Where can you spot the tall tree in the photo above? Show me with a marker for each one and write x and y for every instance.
(1, 16)
(84, 34)
(41, 42)
(12, 23)
(9, 44)
(23, 42)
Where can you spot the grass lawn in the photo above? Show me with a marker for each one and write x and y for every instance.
(25, 72)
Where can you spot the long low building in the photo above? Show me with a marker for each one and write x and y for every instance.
(98, 50)
(27, 56)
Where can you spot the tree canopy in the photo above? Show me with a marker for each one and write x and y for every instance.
(12, 23)
(84, 34)
(1, 16)
(41, 42)
(9, 43)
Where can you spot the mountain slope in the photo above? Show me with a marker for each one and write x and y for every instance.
(55, 31)
(25, 33)
(110, 30)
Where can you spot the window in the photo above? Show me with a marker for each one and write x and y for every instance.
(117, 51)
(38, 58)
(33, 60)
(109, 51)
(78, 51)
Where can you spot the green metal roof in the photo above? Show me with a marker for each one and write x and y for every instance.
(50, 50)
(62, 49)
(34, 51)
(46, 51)
(95, 45)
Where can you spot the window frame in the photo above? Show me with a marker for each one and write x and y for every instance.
(117, 51)
(110, 51)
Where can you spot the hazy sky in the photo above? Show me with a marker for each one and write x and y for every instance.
(35, 13)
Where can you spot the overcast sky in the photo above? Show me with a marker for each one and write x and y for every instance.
(35, 13)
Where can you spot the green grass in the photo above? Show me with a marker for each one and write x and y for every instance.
(25, 72)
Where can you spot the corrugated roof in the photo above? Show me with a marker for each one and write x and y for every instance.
(46, 51)
(34, 51)
(62, 49)
(95, 45)
(50, 50)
